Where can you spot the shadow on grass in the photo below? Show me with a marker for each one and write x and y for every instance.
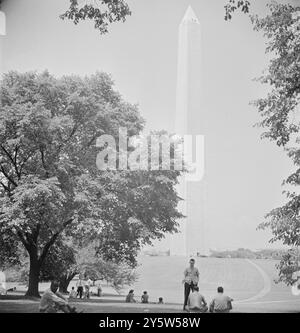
(19, 298)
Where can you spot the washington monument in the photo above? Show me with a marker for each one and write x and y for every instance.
(190, 119)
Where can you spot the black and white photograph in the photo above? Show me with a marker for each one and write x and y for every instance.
(149, 159)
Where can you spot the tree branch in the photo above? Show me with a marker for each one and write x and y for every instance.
(23, 240)
(7, 176)
(12, 159)
(52, 241)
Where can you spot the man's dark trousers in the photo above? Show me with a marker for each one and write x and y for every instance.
(187, 289)
(80, 291)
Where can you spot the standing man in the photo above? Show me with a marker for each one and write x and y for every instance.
(80, 285)
(87, 285)
(191, 279)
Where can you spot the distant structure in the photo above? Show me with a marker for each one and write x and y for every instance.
(190, 119)
(2, 33)
(2, 24)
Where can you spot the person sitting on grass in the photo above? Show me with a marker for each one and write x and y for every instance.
(196, 302)
(99, 289)
(73, 293)
(160, 300)
(221, 303)
(3, 290)
(130, 297)
(145, 297)
(52, 301)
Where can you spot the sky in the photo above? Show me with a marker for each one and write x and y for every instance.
(141, 55)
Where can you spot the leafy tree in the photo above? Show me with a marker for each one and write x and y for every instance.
(9, 250)
(102, 12)
(105, 12)
(116, 274)
(280, 113)
(233, 5)
(289, 264)
(59, 262)
(51, 186)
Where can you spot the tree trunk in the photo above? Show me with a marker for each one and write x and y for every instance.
(34, 273)
(63, 285)
(64, 282)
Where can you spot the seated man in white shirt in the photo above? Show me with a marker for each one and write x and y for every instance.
(52, 301)
(196, 302)
(221, 303)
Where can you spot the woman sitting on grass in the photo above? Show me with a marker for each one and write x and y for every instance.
(130, 297)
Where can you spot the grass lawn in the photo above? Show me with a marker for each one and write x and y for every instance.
(161, 277)
(22, 304)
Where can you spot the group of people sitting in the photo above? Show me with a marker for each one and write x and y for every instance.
(53, 301)
(144, 298)
(194, 301)
(197, 303)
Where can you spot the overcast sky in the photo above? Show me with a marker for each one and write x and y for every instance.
(141, 55)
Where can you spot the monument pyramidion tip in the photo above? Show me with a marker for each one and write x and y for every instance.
(190, 16)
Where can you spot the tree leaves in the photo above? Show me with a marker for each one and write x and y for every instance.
(102, 12)
(233, 5)
(280, 117)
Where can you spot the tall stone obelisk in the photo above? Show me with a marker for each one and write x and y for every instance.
(2, 33)
(190, 120)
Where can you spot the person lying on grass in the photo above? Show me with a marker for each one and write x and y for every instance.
(52, 301)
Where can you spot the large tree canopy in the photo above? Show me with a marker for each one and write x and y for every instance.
(51, 186)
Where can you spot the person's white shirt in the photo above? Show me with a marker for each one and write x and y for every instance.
(196, 300)
(80, 283)
(73, 294)
(191, 275)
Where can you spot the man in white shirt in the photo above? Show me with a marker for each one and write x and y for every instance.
(87, 285)
(221, 303)
(197, 302)
(52, 301)
(191, 279)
